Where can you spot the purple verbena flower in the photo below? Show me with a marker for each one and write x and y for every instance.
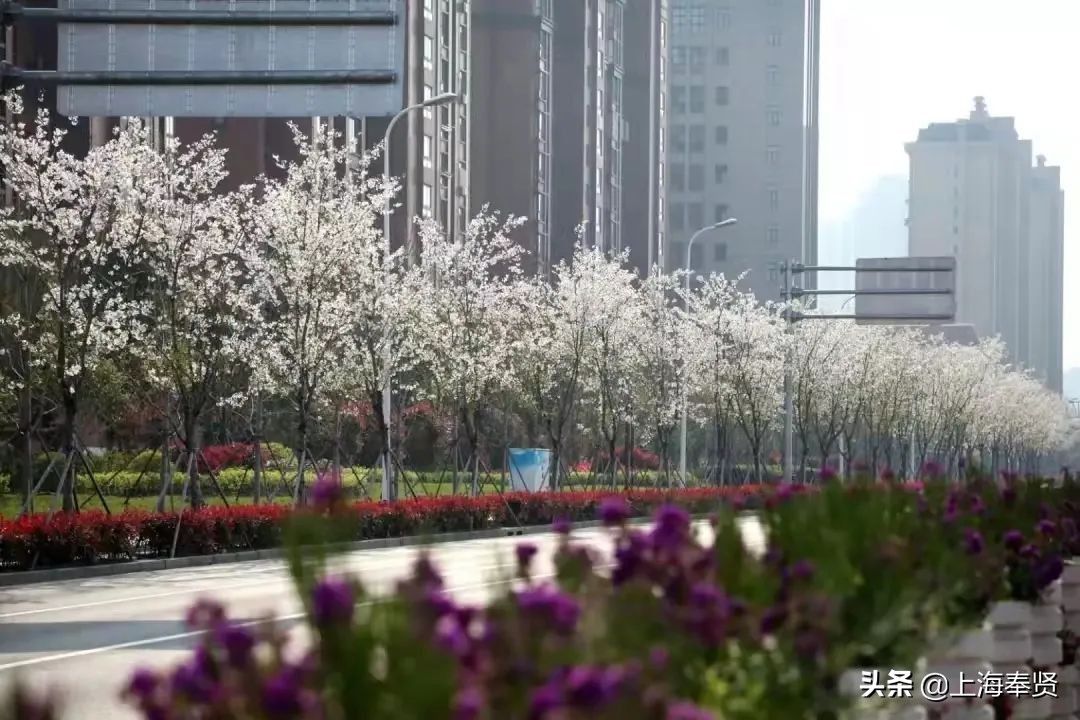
(332, 601)
(194, 679)
(973, 541)
(561, 526)
(585, 687)
(451, 636)
(1048, 570)
(801, 570)
(237, 642)
(1013, 540)
(544, 700)
(773, 618)
(687, 711)
(468, 703)
(525, 553)
(283, 695)
(672, 527)
(629, 554)
(555, 607)
(614, 510)
(328, 491)
(205, 614)
(1046, 527)
(1030, 552)
(143, 684)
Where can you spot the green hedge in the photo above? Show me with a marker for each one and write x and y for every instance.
(239, 481)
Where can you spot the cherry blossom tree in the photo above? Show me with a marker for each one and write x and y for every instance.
(611, 357)
(311, 227)
(666, 343)
(198, 262)
(81, 227)
(554, 330)
(756, 367)
(466, 320)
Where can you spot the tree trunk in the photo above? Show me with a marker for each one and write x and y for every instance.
(256, 460)
(166, 472)
(67, 438)
(301, 453)
(193, 442)
(26, 447)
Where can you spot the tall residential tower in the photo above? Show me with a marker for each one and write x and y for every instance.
(975, 195)
(741, 102)
(569, 110)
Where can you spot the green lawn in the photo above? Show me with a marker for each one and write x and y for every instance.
(11, 503)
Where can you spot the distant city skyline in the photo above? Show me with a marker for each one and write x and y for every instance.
(964, 48)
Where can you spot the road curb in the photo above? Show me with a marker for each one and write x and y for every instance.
(37, 577)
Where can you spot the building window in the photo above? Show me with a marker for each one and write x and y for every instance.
(723, 19)
(723, 56)
(427, 151)
(695, 215)
(697, 60)
(720, 252)
(688, 18)
(695, 181)
(721, 135)
(678, 253)
(678, 58)
(697, 138)
(678, 100)
(774, 116)
(429, 9)
(721, 173)
(677, 216)
(775, 39)
(678, 138)
(721, 213)
(772, 75)
(772, 156)
(697, 99)
(773, 236)
(774, 273)
(427, 200)
(429, 92)
(774, 199)
(678, 177)
(429, 52)
(723, 95)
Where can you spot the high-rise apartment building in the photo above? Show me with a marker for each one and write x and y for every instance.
(568, 122)
(975, 195)
(739, 102)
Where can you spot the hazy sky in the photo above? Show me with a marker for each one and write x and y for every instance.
(890, 67)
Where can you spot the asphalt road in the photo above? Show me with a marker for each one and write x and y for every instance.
(82, 639)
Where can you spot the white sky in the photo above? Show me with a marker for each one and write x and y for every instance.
(890, 67)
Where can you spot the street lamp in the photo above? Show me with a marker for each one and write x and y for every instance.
(441, 99)
(689, 247)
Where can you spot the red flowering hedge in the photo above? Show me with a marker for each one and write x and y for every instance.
(93, 537)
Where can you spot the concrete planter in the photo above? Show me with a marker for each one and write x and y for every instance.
(961, 712)
(1010, 624)
(1046, 622)
(1067, 703)
(1027, 708)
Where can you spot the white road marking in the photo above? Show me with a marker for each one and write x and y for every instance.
(188, 591)
(195, 633)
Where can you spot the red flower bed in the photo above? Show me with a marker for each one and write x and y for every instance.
(91, 537)
(216, 457)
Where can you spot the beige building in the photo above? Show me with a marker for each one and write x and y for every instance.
(735, 136)
(975, 196)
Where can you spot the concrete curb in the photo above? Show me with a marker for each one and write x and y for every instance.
(36, 577)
